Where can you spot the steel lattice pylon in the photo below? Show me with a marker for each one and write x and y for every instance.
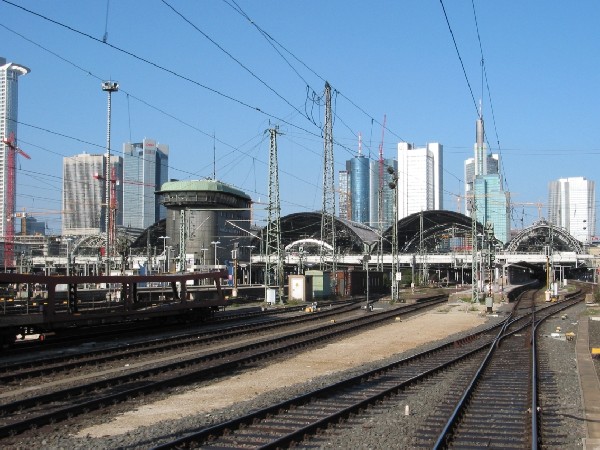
(273, 252)
(328, 212)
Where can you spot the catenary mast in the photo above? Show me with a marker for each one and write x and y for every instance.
(328, 211)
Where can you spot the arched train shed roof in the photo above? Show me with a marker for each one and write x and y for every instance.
(307, 226)
(438, 227)
(541, 234)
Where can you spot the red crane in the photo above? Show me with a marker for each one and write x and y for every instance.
(9, 207)
(113, 203)
(112, 206)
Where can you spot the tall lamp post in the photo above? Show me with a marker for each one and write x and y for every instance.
(164, 238)
(215, 243)
(108, 87)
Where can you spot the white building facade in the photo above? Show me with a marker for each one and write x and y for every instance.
(572, 206)
(84, 192)
(420, 178)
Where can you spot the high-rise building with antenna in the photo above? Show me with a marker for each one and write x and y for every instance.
(483, 186)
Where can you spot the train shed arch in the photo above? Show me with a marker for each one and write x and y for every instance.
(304, 229)
(442, 231)
(540, 235)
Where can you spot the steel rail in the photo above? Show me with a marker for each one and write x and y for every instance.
(234, 358)
(447, 432)
(42, 367)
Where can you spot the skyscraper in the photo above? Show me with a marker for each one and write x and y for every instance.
(145, 169)
(84, 203)
(491, 166)
(380, 179)
(9, 103)
(572, 206)
(484, 190)
(345, 203)
(420, 178)
(360, 188)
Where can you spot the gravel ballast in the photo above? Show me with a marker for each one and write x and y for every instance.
(385, 426)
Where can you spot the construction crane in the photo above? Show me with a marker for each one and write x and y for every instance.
(9, 211)
(113, 204)
(538, 205)
(23, 215)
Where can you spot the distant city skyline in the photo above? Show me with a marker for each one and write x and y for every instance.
(214, 114)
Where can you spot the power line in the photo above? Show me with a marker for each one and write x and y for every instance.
(272, 40)
(458, 54)
(484, 70)
(157, 66)
(189, 22)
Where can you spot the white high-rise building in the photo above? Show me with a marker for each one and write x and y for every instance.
(84, 193)
(145, 169)
(572, 206)
(9, 105)
(420, 178)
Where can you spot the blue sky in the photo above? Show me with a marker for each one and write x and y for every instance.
(393, 58)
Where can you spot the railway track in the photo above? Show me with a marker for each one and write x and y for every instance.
(29, 370)
(293, 421)
(80, 336)
(35, 411)
(499, 408)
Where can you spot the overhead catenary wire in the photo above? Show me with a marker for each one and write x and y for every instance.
(130, 95)
(459, 57)
(487, 86)
(281, 120)
(273, 41)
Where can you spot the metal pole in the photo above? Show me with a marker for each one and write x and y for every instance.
(250, 273)
(68, 259)
(394, 185)
(215, 243)
(367, 263)
(109, 87)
